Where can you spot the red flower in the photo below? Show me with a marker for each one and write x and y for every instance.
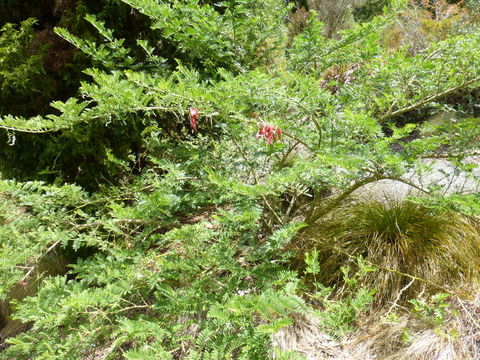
(269, 132)
(278, 133)
(193, 116)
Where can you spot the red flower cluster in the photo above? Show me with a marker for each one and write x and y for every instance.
(269, 132)
(193, 116)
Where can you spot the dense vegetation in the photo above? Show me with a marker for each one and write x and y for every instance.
(189, 179)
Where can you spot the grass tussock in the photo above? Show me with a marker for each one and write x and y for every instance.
(437, 247)
(306, 338)
(407, 336)
(411, 337)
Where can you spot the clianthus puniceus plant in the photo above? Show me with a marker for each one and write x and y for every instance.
(179, 243)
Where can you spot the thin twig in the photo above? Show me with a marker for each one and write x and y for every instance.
(32, 268)
(131, 308)
(316, 212)
(312, 215)
(428, 99)
(450, 155)
(413, 277)
(399, 179)
(400, 294)
(115, 221)
(468, 312)
(30, 131)
(255, 178)
(288, 152)
(319, 129)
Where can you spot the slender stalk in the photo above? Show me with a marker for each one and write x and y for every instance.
(422, 280)
(254, 174)
(428, 99)
(317, 210)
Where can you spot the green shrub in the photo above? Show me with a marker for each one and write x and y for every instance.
(23, 80)
(340, 314)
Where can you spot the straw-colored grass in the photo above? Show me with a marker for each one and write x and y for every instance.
(412, 338)
(438, 247)
(407, 338)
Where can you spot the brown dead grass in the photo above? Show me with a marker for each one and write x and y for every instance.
(408, 338)
(404, 240)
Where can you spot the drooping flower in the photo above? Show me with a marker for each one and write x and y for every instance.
(269, 132)
(278, 133)
(193, 117)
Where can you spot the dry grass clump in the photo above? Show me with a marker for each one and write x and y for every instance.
(307, 339)
(408, 337)
(412, 338)
(436, 247)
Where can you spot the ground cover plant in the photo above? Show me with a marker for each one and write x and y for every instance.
(194, 193)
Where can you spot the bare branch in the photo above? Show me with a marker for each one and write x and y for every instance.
(428, 99)
(317, 211)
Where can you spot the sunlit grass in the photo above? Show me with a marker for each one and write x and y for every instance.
(437, 246)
